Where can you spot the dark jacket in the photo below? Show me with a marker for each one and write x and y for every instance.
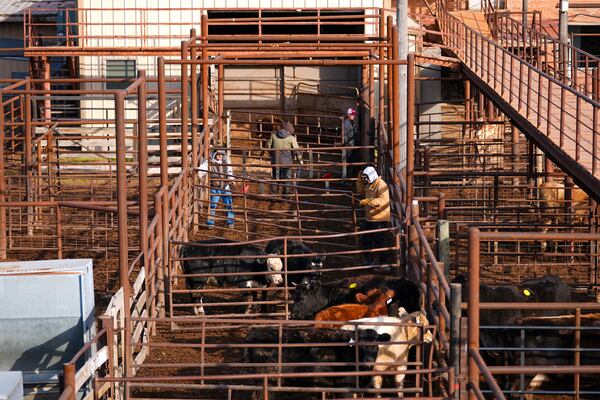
(350, 133)
(283, 140)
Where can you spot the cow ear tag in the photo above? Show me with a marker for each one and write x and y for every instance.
(527, 292)
(388, 301)
(353, 285)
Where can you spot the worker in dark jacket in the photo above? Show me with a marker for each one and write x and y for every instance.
(220, 188)
(285, 144)
(351, 138)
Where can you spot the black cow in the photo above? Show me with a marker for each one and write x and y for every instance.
(313, 263)
(546, 289)
(549, 288)
(250, 271)
(549, 340)
(314, 296)
(314, 357)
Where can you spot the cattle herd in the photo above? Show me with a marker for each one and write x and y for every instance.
(366, 323)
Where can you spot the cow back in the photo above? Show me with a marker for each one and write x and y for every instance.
(245, 268)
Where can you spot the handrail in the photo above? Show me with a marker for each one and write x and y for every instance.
(573, 61)
(88, 345)
(532, 92)
(542, 73)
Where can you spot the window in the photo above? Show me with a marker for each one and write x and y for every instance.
(120, 69)
(233, 23)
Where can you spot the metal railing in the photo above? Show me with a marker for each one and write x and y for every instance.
(569, 118)
(160, 30)
(476, 365)
(572, 66)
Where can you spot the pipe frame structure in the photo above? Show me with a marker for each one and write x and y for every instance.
(474, 306)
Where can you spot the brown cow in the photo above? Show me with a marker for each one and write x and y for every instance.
(373, 304)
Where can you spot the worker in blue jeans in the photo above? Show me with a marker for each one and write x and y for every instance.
(220, 189)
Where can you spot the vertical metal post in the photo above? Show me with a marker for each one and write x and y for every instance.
(27, 162)
(443, 245)
(371, 136)
(185, 110)
(106, 322)
(365, 110)
(59, 251)
(205, 100)
(473, 306)
(396, 109)
(577, 360)
(185, 120)
(164, 181)
(194, 99)
(46, 86)
(455, 314)
(525, 23)
(563, 26)
(221, 97)
(390, 77)
(143, 177)
(162, 124)
(194, 121)
(410, 137)
(402, 34)
(69, 380)
(122, 223)
(381, 73)
(282, 100)
(3, 231)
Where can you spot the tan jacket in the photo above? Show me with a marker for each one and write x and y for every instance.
(378, 209)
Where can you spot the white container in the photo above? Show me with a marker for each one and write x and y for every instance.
(46, 315)
(11, 385)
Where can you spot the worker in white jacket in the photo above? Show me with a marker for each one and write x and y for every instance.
(220, 188)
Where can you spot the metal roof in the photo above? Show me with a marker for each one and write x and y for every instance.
(12, 10)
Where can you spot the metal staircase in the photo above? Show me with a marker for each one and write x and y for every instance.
(549, 90)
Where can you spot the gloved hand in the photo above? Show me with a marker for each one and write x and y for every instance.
(301, 162)
(364, 202)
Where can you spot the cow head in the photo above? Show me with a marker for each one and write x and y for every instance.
(274, 266)
(307, 299)
(316, 263)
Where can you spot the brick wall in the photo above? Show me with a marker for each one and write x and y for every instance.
(549, 9)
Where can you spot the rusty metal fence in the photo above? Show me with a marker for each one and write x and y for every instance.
(563, 115)
(537, 351)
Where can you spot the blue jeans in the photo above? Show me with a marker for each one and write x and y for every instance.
(227, 199)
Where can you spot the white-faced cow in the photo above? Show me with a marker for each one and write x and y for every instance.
(232, 263)
(311, 264)
(404, 331)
